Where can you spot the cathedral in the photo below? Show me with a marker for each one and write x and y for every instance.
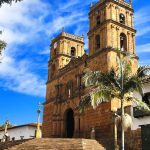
(111, 27)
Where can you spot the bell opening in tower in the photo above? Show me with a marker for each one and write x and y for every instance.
(73, 51)
(123, 42)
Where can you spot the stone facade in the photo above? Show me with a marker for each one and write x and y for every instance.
(111, 28)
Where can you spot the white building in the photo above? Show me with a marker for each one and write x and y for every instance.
(138, 117)
(26, 131)
(141, 119)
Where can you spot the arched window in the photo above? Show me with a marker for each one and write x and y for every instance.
(123, 42)
(122, 18)
(73, 51)
(98, 20)
(69, 89)
(97, 39)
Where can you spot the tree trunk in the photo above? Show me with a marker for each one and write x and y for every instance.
(122, 126)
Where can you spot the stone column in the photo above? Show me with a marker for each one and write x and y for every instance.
(58, 120)
(118, 37)
(77, 50)
(58, 127)
(117, 15)
(129, 48)
(127, 17)
(63, 45)
(82, 126)
(131, 15)
(134, 43)
(102, 40)
(81, 51)
(53, 128)
(94, 47)
(68, 48)
(112, 36)
(62, 128)
(76, 127)
(110, 11)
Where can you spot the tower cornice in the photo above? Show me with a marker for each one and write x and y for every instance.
(103, 3)
(114, 22)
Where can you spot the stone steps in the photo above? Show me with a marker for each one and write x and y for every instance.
(6, 145)
(59, 144)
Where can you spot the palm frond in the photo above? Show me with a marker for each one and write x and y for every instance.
(141, 105)
(143, 71)
(91, 78)
(99, 96)
(84, 103)
(133, 83)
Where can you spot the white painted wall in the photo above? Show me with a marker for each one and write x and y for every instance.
(26, 131)
(142, 120)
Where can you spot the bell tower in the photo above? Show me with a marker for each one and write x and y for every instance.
(62, 49)
(112, 27)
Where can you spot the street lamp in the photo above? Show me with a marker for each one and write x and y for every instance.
(5, 131)
(114, 110)
(38, 130)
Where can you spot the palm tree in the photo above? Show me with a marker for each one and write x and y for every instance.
(118, 83)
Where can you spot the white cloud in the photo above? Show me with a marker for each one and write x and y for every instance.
(143, 51)
(144, 62)
(23, 23)
(18, 77)
(144, 48)
(142, 20)
(20, 24)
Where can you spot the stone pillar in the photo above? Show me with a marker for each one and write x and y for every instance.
(76, 126)
(77, 50)
(127, 13)
(81, 51)
(110, 11)
(94, 43)
(106, 14)
(118, 37)
(102, 40)
(58, 127)
(54, 128)
(63, 45)
(117, 15)
(134, 43)
(68, 48)
(131, 15)
(128, 46)
(112, 36)
(81, 126)
(62, 128)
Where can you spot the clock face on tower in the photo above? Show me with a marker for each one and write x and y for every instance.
(55, 45)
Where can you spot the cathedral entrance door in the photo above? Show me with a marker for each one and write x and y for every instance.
(69, 122)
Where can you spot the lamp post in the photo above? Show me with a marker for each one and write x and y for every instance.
(116, 147)
(38, 130)
(5, 131)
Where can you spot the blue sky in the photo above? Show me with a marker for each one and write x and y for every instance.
(28, 28)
